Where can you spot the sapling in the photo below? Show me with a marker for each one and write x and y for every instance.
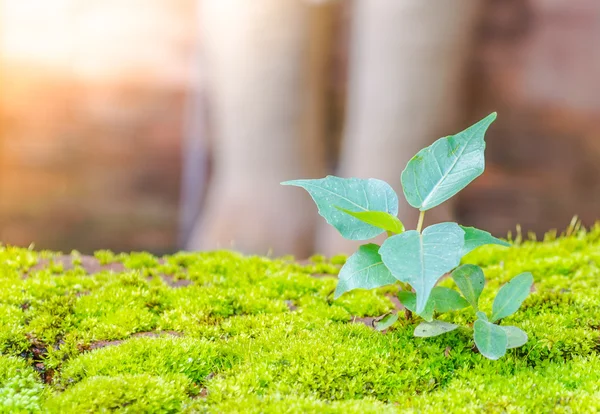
(361, 209)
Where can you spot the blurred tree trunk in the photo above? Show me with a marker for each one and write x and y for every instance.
(406, 68)
(259, 59)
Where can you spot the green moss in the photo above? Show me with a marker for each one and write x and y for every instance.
(124, 393)
(20, 390)
(194, 358)
(568, 387)
(276, 404)
(222, 332)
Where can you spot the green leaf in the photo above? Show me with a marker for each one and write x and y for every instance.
(470, 281)
(441, 170)
(352, 194)
(420, 259)
(511, 296)
(433, 328)
(491, 340)
(363, 270)
(481, 315)
(442, 300)
(447, 300)
(475, 238)
(379, 219)
(409, 301)
(385, 322)
(516, 337)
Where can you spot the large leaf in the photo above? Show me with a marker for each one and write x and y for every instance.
(491, 340)
(420, 259)
(511, 296)
(441, 299)
(364, 270)
(515, 336)
(433, 328)
(353, 194)
(379, 219)
(470, 281)
(447, 166)
(475, 238)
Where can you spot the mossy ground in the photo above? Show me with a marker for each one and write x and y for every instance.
(220, 332)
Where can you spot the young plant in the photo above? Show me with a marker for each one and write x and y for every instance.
(491, 339)
(361, 209)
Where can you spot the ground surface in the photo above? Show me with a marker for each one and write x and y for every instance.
(219, 332)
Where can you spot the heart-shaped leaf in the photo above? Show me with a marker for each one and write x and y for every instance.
(475, 238)
(420, 259)
(447, 166)
(433, 328)
(491, 340)
(516, 337)
(511, 296)
(379, 219)
(364, 269)
(385, 322)
(353, 194)
(470, 281)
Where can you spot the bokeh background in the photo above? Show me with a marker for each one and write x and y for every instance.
(104, 124)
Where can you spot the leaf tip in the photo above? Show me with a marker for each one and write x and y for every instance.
(338, 292)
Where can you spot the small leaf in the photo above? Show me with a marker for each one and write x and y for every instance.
(475, 238)
(491, 340)
(363, 270)
(420, 259)
(379, 219)
(511, 296)
(447, 166)
(385, 322)
(352, 194)
(433, 328)
(481, 315)
(516, 337)
(409, 301)
(470, 281)
(442, 300)
(447, 300)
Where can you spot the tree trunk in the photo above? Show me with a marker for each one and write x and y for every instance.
(258, 57)
(405, 80)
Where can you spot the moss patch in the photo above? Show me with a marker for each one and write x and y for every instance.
(221, 332)
(20, 388)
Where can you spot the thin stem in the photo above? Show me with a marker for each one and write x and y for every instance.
(420, 223)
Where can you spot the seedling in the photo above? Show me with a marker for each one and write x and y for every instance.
(491, 339)
(361, 209)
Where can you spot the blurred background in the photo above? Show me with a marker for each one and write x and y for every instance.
(158, 124)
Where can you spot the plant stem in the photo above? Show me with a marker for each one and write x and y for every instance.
(420, 223)
(390, 234)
